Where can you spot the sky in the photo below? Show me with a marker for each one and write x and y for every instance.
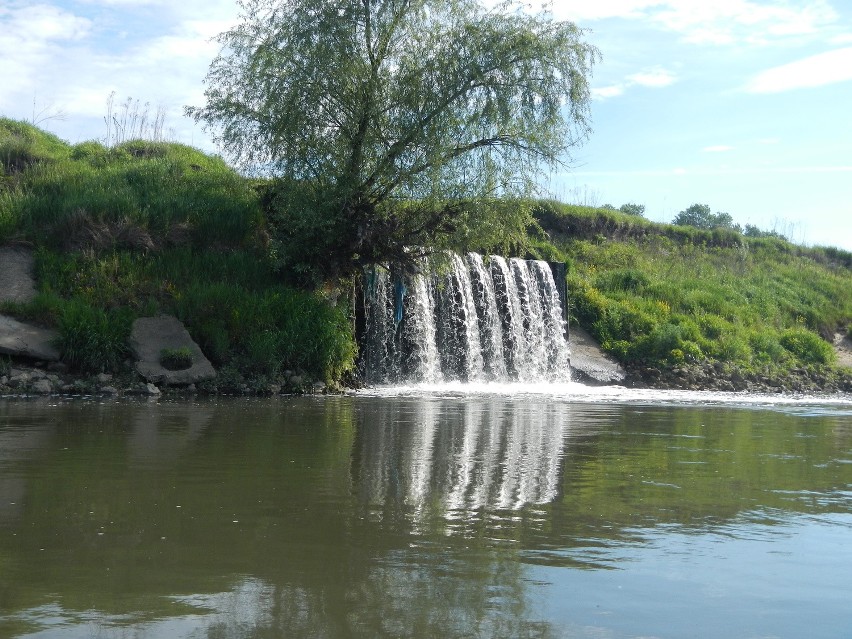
(743, 105)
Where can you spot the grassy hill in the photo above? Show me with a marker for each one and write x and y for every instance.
(661, 297)
(142, 228)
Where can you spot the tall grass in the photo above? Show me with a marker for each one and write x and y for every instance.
(657, 297)
(229, 300)
(138, 194)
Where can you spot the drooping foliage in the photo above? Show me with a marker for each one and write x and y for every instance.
(385, 119)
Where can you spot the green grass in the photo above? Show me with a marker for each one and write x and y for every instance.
(150, 227)
(661, 295)
(139, 195)
(229, 301)
(176, 359)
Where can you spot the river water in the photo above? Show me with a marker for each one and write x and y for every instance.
(428, 512)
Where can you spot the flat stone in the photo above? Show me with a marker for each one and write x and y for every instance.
(150, 335)
(843, 348)
(589, 364)
(25, 340)
(42, 387)
(16, 275)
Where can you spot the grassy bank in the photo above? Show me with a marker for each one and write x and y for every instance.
(659, 296)
(143, 228)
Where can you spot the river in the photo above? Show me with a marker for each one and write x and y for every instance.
(427, 512)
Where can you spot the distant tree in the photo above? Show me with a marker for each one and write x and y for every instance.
(609, 207)
(753, 231)
(633, 209)
(386, 119)
(697, 215)
(700, 216)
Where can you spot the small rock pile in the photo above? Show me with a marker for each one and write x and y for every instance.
(725, 378)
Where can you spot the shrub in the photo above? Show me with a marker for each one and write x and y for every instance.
(807, 347)
(631, 280)
(269, 330)
(766, 348)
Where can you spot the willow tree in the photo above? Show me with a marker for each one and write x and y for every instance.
(389, 122)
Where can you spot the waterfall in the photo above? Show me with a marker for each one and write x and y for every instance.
(470, 319)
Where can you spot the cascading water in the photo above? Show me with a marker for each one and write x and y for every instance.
(472, 319)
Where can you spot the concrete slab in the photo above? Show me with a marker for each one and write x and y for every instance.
(25, 340)
(843, 348)
(589, 364)
(150, 335)
(16, 275)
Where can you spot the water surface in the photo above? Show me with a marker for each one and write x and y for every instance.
(407, 513)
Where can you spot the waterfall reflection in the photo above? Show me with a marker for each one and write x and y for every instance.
(427, 458)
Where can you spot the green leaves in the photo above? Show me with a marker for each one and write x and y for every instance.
(374, 102)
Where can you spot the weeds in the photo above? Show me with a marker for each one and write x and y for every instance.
(91, 339)
(176, 359)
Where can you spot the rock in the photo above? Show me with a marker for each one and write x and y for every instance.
(18, 379)
(108, 390)
(274, 389)
(42, 387)
(57, 367)
(103, 378)
(16, 275)
(150, 335)
(589, 364)
(25, 340)
(318, 387)
(151, 389)
(296, 380)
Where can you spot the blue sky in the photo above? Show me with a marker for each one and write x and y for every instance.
(739, 104)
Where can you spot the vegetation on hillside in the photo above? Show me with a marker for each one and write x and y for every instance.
(667, 295)
(142, 228)
(390, 123)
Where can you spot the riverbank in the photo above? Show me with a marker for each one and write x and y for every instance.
(18, 379)
(21, 379)
(111, 235)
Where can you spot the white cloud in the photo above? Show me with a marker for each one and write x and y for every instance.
(654, 78)
(718, 22)
(30, 37)
(718, 148)
(724, 21)
(601, 9)
(825, 68)
(602, 93)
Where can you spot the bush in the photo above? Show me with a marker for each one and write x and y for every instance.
(269, 330)
(807, 347)
(766, 348)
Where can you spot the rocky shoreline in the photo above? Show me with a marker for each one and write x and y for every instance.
(53, 379)
(725, 378)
